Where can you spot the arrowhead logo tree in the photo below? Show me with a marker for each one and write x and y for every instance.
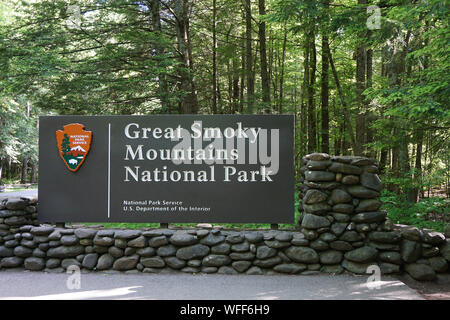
(73, 145)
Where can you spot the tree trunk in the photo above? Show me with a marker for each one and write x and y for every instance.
(325, 128)
(395, 165)
(249, 61)
(304, 116)
(275, 79)
(243, 68)
(188, 101)
(235, 86)
(230, 75)
(265, 84)
(255, 65)
(339, 138)
(405, 167)
(369, 115)
(296, 125)
(361, 59)
(418, 174)
(214, 60)
(162, 77)
(383, 160)
(311, 106)
(23, 177)
(418, 168)
(9, 168)
(33, 173)
(193, 93)
(283, 59)
(360, 87)
(396, 68)
(347, 116)
(271, 55)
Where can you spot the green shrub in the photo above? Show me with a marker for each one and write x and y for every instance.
(432, 213)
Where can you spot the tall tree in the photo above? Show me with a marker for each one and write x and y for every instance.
(159, 50)
(347, 116)
(312, 133)
(361, 60)
(214, 58)
(282, 71)
(25, 160)
(249, 59)
(305, 85)
(265, 81)
(325, 119)
(188, 102)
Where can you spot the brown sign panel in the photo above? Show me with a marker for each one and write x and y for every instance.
(167, 168)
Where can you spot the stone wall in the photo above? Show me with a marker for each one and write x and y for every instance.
(342, 229)
(340, 215)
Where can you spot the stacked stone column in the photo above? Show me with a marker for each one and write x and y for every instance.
(340, 194)
(340, 206)
(341, 216)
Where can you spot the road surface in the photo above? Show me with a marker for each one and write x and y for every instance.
(21, 284)
(18, 194)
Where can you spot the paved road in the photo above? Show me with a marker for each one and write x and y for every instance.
(18, 194)
(21, 284)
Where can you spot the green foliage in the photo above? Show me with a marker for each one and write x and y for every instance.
(78, 69)
(404, 182)
(110, 59)
(19, 134)
(416, 95)
(432, 213)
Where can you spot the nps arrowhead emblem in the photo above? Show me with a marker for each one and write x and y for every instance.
(73, 144)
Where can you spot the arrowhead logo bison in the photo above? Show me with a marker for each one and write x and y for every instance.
(73, 145)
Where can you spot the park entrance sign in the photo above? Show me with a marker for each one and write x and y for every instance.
(186, 168)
